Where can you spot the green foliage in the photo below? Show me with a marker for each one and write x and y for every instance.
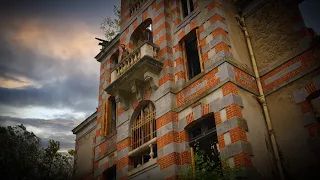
(111, 26)
(207, 169)
(22, 157)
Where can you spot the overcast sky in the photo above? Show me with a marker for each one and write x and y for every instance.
(48, 74)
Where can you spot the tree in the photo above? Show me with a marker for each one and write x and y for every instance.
(23, 158)
(111, 26)
(19, 153)
(207, 169)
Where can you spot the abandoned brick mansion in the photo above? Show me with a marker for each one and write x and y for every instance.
(240, 79)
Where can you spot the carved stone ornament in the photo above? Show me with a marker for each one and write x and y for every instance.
(137, 89)
(153, 79)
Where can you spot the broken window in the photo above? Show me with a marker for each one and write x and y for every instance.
(192, 54)
(186, 7)
(203, 136)
(110, 173)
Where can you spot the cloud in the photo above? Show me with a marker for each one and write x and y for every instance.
(49, 65)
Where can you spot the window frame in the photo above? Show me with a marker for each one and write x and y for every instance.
(185, 57)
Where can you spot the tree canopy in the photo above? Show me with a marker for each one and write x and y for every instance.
(22, 157)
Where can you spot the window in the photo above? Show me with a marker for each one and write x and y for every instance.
(143, 133)
(186, 7)
(115, 57)
(144, 126)
(190, 44)
(203, 135)
(109, 115)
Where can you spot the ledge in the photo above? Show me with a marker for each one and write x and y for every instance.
(152, 163)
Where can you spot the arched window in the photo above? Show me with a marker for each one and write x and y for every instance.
(143, 136)
(143, 127)
(109, 115)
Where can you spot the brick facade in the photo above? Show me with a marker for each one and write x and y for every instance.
(217, 91)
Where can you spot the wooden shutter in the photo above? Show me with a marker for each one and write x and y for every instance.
(109, 117)
(103, 118)
(106, 117)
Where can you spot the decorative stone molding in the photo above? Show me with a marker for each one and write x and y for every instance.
(120, 97)
(153, 79)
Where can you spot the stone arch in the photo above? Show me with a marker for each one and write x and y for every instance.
(141, 34)
(139, 107)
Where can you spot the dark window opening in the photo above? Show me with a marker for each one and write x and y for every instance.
(207, 141)
(184, 8)
(187, 7)
(110, 173)
(191, 49)
(191, 5)
(195, 133)
(115, 57)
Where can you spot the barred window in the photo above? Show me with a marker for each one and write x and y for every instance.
(143, 128)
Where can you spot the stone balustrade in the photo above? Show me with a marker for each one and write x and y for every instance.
(146, 49)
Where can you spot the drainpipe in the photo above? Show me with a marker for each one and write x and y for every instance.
(262, 98)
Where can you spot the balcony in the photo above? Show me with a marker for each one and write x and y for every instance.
(136, 5)
(132, 71)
